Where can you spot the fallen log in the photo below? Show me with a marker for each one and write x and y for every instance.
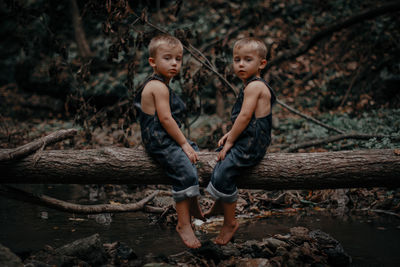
(343, 169)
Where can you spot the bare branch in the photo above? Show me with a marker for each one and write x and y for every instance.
(335, 138)
(31, 147)
(22, 195)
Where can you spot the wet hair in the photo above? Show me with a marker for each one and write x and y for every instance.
(161, 40)
(256, 43)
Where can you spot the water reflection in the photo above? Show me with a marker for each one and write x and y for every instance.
(371, 240)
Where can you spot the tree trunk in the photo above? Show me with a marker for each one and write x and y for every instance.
(344, 169)
(80, 35)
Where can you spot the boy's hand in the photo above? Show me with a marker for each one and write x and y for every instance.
(190, 152)
(225, 149)
(222, 141)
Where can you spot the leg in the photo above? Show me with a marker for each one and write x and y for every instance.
(195, 209)
(216, 209)
(184, 228)
(230, 224)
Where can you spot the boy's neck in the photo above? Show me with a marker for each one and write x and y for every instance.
(254, 76)
(165, 80)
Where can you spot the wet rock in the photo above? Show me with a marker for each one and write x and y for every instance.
(230, 250)
(258, 262)
(157, 264)
(274, 243)
(89, 249)
(8, 258)
(209, 250)
(336, 254)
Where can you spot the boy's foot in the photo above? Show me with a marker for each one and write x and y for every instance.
(216, 209)
(188, 237)
(195, 210)
(227, 233)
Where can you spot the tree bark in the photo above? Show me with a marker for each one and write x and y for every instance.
(344, 169)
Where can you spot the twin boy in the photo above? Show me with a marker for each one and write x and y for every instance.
(161, 111)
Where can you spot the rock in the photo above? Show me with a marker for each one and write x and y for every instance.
(230, 250)
(299, 231)
(89, 249)
(8, 258)
(336, 254)
(157, 264)
(274, 243)
(258, 262)
(209, 250)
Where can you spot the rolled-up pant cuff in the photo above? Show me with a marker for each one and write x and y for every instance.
(186, 193)
(229, 198)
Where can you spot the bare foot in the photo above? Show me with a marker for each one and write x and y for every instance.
(227, 233)
(195, 210)
(188, 237)
(216, 209)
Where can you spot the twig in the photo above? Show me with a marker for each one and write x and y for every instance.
(308, 117)
(337, 138)
(350, 87)
(31, 147)
(382, 211)
(22, 195)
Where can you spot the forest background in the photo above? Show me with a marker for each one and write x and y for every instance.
(79, 63)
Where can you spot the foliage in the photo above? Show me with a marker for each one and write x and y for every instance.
(378, 122)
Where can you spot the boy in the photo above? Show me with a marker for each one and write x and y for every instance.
(160, 113)
(246, 143)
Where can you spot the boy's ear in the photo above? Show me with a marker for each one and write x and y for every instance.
(263, 64)
(152, 61)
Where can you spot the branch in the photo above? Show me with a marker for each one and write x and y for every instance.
(22, 195)
(320, 123)
(31, 147)
(212, 68)
(334, 138)
(369, 14)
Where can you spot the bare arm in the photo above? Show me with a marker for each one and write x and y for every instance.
(251, 95)
(161, 99)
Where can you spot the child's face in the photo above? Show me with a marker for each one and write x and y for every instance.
(247, 62)
(168, 61)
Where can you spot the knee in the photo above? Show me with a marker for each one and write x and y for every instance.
(222, 183)
(191, 179)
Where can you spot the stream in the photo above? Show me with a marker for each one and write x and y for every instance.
(371, 240)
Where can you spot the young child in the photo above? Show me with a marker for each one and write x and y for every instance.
(160, 112)
(246, 143)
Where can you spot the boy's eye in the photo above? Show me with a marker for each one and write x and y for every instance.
(236, 59)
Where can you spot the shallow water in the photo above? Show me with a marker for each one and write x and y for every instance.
(371, 240)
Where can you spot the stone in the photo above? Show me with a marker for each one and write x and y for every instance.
(8, 258)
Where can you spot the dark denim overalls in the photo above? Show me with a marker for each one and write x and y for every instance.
(248, 150)
(164, 149)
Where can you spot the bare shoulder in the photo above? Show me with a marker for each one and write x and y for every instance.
(155, 87)
(257, 87)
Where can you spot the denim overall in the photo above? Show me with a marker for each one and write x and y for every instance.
(248, 150)
(164, 149)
